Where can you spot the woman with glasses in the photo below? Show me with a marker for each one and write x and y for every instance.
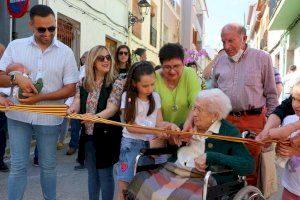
(184, 180)
(102, 142)
(122, 60)
(176, 84)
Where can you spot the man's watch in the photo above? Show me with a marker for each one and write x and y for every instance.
(13, 80)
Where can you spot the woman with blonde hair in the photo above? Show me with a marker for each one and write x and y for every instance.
(91, 98)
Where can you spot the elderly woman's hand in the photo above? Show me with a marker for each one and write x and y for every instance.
(200, 163)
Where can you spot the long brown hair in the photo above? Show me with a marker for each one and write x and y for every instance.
(128, 63)
(89, 82)
(134, 75)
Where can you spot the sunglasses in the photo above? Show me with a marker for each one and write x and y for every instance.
(102, 58)
(123, 52)
(51, 29)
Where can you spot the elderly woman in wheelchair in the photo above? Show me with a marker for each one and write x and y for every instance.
(185, 178)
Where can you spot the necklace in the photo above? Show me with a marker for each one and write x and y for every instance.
(174, 107)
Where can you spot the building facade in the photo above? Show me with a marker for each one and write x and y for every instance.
(194, 14)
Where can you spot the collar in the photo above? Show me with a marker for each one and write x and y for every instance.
(215, 127)
(32, 41)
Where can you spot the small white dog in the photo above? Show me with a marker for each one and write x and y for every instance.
(187, 154)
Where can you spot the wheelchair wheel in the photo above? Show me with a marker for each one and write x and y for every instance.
(249, 193)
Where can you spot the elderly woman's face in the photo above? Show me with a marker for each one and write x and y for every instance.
(202, 118)
(172, 69)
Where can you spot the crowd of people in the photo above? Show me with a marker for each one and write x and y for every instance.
(241, 95)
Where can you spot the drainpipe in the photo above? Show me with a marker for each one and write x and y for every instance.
(162, 3)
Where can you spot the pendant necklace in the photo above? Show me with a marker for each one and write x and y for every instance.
(174, 107)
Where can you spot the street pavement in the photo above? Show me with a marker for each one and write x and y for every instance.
(71, 184)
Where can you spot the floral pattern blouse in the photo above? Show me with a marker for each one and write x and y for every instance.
(92, 99)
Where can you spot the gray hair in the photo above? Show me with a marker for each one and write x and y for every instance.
(241, 30)
(218, 101)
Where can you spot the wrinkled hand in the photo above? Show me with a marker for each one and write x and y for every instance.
(200, 163)
(31, 98)
(286, 151)
(5, 102)
(25, 84)
(87, 115)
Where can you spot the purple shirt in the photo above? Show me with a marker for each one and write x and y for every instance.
(248, 83)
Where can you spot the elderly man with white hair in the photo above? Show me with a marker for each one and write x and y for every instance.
(209, 113)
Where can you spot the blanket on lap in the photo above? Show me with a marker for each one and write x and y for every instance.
(169, 182)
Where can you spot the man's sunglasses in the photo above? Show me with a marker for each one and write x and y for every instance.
(51, 29)
(102, 58)
(123, 52)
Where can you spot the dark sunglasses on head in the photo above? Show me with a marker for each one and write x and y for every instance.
(51, 29)
(101, 58)
(123, 52)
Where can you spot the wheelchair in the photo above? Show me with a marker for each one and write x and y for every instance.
(236, 190)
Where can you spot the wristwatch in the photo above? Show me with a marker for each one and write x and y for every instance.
(13, 80)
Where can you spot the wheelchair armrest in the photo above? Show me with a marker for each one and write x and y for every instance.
(216, 169)
(158, 151)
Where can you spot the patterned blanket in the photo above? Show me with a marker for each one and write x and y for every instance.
(167, 183)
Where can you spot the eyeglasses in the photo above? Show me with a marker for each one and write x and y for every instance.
(51, 29)
(197, 109)
(123, 52)
(102, 58)
(169, 67)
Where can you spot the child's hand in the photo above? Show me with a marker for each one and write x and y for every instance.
(286, 151)
(200, 163)
(280, 133)
(296, 141)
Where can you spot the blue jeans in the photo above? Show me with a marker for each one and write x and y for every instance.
(20, 134)
(98, 179)
(75, 130)
(3, 131)
(63, 130)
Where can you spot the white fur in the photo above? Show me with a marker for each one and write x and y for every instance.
(187, 154)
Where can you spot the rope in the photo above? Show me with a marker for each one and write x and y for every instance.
(61, 111)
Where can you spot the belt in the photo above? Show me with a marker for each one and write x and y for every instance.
(255, 111)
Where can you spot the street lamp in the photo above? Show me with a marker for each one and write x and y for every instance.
(142, 5)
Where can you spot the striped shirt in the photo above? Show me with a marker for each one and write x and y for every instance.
(56, 66)
(248, 83)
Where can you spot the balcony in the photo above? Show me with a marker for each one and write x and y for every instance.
(283, 14)
(153, 36)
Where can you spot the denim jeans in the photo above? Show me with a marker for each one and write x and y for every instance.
(3, 131)
(98, 179)
(63, 130)
(20, 134)
(75, 130)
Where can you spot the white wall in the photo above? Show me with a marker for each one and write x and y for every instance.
(92, 31)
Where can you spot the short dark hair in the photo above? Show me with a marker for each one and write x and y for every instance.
(293, 67)
(40, 10)
(170, 51)
(140, 51)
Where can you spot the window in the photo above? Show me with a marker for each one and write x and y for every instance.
(68, 32)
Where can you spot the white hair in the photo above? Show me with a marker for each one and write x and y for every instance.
(218, 101)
